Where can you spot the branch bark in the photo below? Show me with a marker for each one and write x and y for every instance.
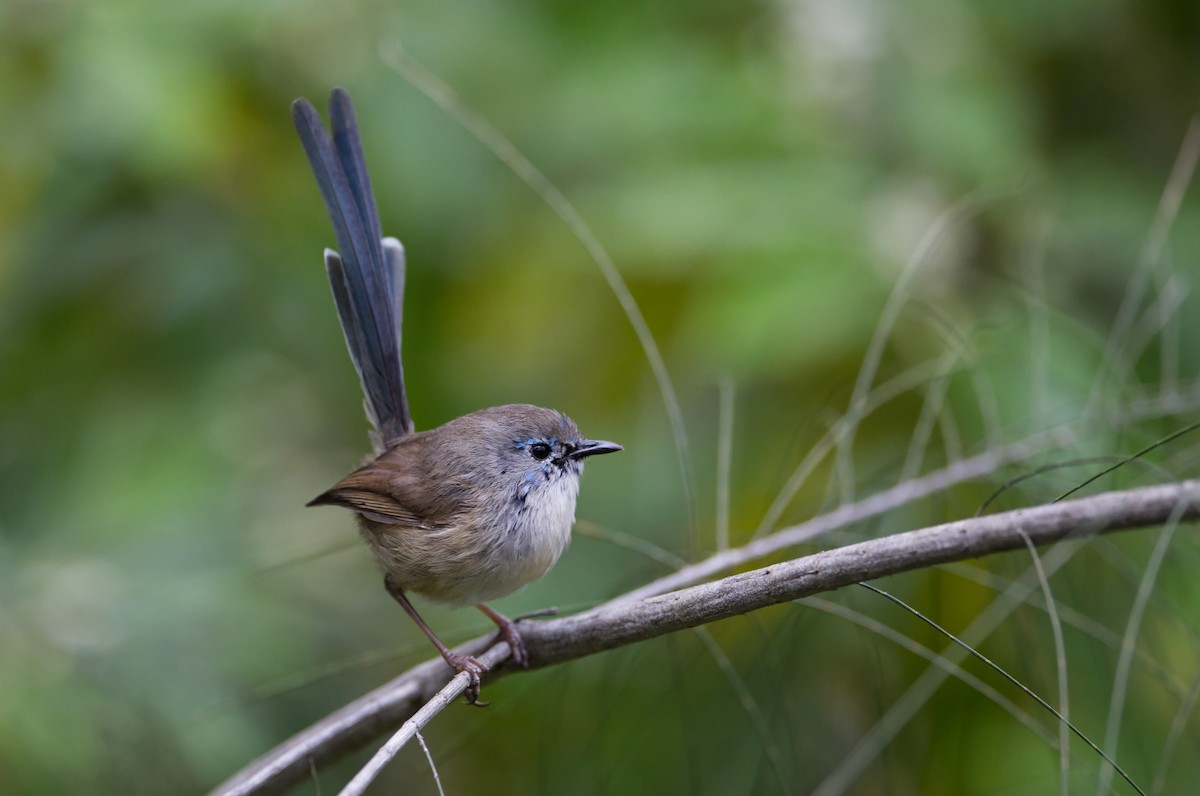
(623, 621)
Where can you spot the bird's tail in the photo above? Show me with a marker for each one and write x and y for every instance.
(367, 276)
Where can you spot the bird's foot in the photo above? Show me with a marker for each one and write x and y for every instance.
(508, 632)
(474, 669)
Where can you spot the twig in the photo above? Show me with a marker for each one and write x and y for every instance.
(412, 727)
(437, 780)
(625, 621)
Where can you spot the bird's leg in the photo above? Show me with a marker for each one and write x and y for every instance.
(459, 663)
(508, 632)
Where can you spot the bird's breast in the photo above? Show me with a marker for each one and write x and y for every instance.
(541, 529)
(484, 553)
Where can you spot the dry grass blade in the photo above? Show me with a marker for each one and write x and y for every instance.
(426, 82)
(953, 669)
(1112, 731)
(1060, 665)
(1028, 691)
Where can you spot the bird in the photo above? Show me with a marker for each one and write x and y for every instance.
(469, 511)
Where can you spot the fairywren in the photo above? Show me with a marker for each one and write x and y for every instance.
(466, 512)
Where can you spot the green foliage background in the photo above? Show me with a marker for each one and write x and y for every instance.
(174, 387)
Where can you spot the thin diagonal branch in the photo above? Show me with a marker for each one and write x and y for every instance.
(624, 621)
(412, 728)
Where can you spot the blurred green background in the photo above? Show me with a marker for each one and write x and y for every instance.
(174, 386)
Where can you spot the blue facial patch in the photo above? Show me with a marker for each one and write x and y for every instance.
(527, 484)
(552, 442)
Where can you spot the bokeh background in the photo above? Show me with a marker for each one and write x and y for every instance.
(174, 386)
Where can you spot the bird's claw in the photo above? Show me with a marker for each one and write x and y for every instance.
(474, 668)
(508, 631)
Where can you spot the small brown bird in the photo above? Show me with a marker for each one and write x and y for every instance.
(474, 509)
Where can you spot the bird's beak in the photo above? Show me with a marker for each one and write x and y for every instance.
(591, 447)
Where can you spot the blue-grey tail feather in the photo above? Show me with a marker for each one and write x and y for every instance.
(353, 333)
(363, 277)
(393, 252)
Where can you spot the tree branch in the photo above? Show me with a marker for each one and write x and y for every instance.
(847, 514)
(626, 621)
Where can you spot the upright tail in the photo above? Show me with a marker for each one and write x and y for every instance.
(368, 276)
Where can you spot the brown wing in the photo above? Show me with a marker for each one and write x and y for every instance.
(387, 489)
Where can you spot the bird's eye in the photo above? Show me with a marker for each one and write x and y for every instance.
(539, 450)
